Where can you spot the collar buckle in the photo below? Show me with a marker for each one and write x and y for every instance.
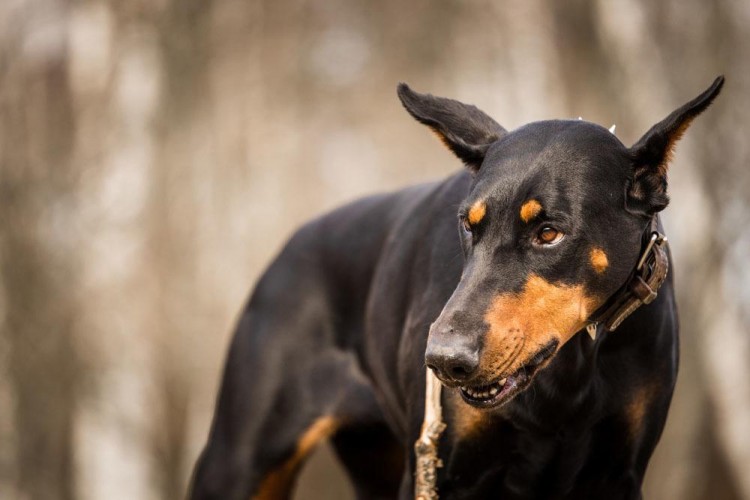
(643, 285)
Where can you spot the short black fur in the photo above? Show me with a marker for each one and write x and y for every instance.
(335, 337)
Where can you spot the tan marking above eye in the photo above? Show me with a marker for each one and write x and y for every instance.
(476, 212)
(599, 260)
(530, 209)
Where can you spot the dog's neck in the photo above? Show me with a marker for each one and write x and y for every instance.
(562, 392)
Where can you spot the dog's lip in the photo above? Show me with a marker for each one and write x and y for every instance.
(504, 388)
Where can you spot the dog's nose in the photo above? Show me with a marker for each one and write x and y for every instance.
(451, 358)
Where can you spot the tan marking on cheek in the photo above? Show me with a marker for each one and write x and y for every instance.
(530, 209)
(599, 260)
(277, 484)
(476, 212)
(525, 322)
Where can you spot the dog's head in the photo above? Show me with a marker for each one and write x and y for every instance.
(551, 228)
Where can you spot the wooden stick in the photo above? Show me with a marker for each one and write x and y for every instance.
(426, 447)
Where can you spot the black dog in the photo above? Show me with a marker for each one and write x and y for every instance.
(504, 265)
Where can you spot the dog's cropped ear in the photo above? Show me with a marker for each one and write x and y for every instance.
(464, 128)
(647, 193)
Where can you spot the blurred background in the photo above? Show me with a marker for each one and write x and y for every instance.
(154, 155)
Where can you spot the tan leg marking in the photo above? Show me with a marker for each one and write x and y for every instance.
(277, 485)
(476, 212)
(638, 406)
(530, 209)
(598, 259)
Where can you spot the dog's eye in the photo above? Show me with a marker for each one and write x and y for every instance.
(466, 225)
(548, 235)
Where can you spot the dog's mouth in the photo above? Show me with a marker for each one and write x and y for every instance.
(504, 389)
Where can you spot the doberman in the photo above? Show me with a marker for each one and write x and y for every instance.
(489, 278)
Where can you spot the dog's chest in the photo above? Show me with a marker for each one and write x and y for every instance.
(503, 461)
(513, 454)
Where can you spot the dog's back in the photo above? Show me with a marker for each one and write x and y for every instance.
(297, 370)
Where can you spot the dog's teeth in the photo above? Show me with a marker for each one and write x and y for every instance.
(483, 392)
(502, 381)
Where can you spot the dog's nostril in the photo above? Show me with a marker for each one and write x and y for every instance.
(453, 367)
(461, 367)
(459, 372)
